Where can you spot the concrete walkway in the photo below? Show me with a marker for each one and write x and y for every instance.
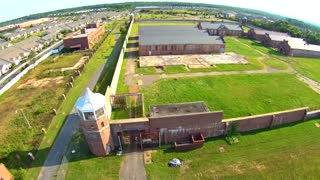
(133, 166)
(59, 148)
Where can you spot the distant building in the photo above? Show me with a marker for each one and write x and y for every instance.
(221, 29)
(299, 48)
(259, 34)
(86, 39)
(166, 40)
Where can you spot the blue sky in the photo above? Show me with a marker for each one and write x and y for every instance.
(304, 10)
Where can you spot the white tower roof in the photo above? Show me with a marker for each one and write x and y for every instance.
(90, 102)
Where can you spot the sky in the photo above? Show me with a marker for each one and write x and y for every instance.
(305, 10)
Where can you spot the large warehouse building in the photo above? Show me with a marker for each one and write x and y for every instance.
(170, 40)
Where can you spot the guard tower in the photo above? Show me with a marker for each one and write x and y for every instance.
(94, 122)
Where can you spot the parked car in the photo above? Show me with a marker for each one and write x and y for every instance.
(175, 162)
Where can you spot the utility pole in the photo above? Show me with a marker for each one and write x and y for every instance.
(24, 116)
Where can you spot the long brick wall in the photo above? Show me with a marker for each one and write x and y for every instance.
(178, 128)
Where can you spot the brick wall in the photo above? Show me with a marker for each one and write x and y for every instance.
(180, 49)
(80, 42)
(268, 120)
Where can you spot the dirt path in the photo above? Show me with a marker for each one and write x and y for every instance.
(313, 84)
(149, 79)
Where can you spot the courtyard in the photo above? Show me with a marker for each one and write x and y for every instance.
(192, 61)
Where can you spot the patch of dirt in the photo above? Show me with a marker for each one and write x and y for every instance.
(80, 63)
(236, 168)
(184, 168)
(317, 125)
(222, 149)
(147, 156)
(42, 83)
(133, 89)
(259, 166)
(192, 61)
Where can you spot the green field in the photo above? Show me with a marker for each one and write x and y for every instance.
(307, 66)
(284, 153)
(236, 95)
(84, 165)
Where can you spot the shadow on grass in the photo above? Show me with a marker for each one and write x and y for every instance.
(134, 38)
(133, 45)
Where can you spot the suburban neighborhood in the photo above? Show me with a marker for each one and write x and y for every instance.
(159, 90)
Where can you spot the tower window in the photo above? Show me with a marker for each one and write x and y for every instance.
(102, 124)
(99, 112)
(89, 115)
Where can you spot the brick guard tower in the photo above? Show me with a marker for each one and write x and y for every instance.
(94, 122)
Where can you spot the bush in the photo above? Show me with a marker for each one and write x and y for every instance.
(233, 134)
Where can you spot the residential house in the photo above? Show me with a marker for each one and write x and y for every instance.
(13, 54)
(4, 66)
(221, 29)
(30, 44)
(4, 44)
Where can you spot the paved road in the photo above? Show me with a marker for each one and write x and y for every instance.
(133, 166)
(53, 161)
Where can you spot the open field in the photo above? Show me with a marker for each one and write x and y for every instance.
(236, 95)
(307, 66)
(36, 97)
(284, 153)
(84, 165)
(37, 103)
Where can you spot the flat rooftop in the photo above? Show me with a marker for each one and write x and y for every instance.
(177, 109)
(165, 35)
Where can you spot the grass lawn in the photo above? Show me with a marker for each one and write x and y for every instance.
(84, 165)
(236, 95)
(284, 153)
(307, 66)
(37, 104)
(272, 58)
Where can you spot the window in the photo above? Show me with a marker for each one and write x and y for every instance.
(102, 124)
(92, 127)
(99, 112)
(89, 116)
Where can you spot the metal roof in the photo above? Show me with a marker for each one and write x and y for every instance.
(159, 35)
(230, 26)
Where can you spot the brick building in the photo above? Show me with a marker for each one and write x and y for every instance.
(86, 39)
(299, 48)
(171, 40)
(259, 34)
(221, 29)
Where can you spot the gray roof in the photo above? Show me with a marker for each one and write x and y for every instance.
(157, 35)
(230, 26)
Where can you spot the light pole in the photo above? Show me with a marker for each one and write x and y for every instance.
(24, 116)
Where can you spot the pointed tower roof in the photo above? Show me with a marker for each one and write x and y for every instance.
(90, 101)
